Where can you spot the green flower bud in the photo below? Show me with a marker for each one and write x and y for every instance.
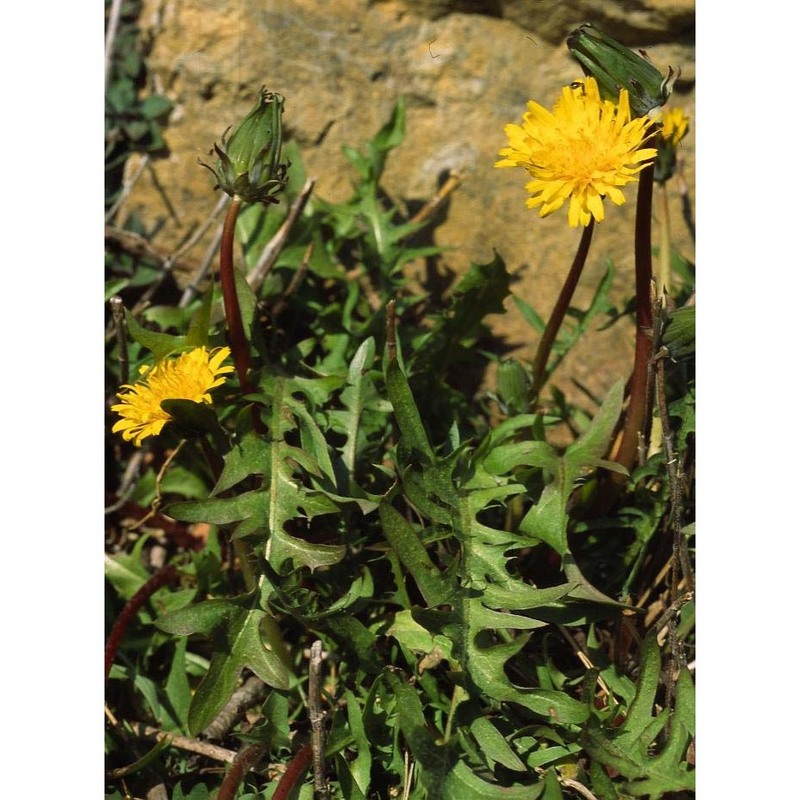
(616, 67)
(248, 163)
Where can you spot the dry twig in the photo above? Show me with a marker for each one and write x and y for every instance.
(156, 504)
(111, 35)
(273, 248)
(578, 787)
(253, 690)
(135, 244)
(317, 718)
(127, 186)
(118, 315)
(448, 187)
(213, 751)
(128, 482)
(193, 287)
(294, 284)
(583, 658)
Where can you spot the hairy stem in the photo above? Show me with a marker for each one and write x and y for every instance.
(560, 310)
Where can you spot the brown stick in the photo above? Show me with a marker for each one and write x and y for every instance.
(273, 249)
(118, 315)
(317, 718)
(253, 690)
(212, 751)
(450, 185)
(138, 246)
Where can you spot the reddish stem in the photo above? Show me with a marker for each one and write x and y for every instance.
(297, 766)
(560, 309)
(240, 349)
(241, 765)
(638, 414)
(637, 418)
(161, 578)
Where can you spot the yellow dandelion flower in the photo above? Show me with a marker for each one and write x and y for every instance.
(674, 125)
(190, 376)
(583, 150)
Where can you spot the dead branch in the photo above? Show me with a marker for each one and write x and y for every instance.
(252, 691)
(317, 718)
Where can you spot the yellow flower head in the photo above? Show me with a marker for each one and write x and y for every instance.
(190, 376)
(674, 126)
(583, 150)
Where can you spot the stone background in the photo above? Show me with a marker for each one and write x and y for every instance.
(467, 69)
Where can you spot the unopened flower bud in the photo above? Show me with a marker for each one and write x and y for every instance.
(616, 67)
(249, 161)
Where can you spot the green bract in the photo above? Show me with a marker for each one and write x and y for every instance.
(248, 164)
(616, 67)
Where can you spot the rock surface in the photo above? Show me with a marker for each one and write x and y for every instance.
(466, 69)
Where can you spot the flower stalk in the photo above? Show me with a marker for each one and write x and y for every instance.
(240, 348)
(559, 311)
(249, 169)
(674, 126)
(636, 427)
(637, 418)
(665, 246)
(165, 576)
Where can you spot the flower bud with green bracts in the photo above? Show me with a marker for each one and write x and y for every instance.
(616, 67)
(249, 161)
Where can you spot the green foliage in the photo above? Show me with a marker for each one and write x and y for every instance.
(365, 495)
(628, 749)
(132, 121)
(241, 640)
